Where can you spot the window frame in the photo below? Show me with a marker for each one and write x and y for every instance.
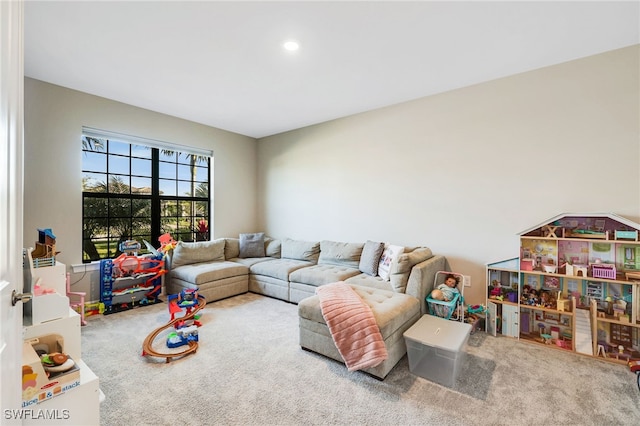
(196, 204)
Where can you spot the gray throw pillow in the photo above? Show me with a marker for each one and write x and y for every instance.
(371, 257)
(252, 245)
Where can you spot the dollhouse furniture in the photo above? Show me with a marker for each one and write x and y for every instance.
(626, 235)
(599, 258)
(603, 270)
(601, 351)
(632, 275)
(562, 305)
(577, 270)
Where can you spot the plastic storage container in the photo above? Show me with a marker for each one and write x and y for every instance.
(436, 348)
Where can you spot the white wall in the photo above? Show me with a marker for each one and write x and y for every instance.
(54, 117)
(464, 172)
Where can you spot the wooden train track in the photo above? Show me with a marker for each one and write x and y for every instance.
(147, 349)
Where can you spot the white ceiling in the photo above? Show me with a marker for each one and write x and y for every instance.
(222, 63)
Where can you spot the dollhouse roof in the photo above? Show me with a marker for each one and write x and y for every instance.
(47, 232)
(567, 219)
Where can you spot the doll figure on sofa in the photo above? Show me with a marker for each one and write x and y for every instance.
(447, 290)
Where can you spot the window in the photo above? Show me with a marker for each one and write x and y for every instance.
(138, 189)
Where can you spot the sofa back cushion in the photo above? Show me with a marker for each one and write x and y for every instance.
(201, 251)
(371, 253)
(401, 269)
(300, 250)
(252, 245)
(231, 248)
(272, 247)
(340, 254)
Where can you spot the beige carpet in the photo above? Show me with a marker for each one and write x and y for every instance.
(250, 370)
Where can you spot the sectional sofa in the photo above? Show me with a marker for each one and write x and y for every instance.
(291, 270)
(393, 281)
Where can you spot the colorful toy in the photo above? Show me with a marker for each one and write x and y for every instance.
(186, 326)
(167, 243)
(130, 247)
(186, 299)
(634, 366)
(453, 309)
(476, 309)
(134, 268)
(182, 336)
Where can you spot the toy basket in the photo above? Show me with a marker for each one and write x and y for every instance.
(444, 309)
(441, 308)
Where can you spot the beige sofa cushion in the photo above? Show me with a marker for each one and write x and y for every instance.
(272, 247)
(231, 248)
(300, 250)
(340, 254)
(201, 251)
(278, 268)
(401, 269)
(318, 275)
(391, 310)
(205, 272)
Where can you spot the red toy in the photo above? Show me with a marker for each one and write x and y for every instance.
(634, 365)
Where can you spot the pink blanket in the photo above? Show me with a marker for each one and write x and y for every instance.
(352, 325)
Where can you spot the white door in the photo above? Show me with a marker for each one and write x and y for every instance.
(510, 320)
(11, 193)
(491, 322)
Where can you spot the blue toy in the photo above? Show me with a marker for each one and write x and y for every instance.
(183, 336)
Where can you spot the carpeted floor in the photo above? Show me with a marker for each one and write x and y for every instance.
(250, 370)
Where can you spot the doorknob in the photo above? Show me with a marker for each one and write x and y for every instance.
(20, 297)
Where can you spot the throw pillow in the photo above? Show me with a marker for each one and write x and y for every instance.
(389, 256)
(370, 258)
(252, 245)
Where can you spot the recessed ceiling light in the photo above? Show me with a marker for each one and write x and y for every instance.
(291, 45)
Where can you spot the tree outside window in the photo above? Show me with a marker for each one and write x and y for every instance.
(136, 192)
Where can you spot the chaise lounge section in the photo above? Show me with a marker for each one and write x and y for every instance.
(394, 313)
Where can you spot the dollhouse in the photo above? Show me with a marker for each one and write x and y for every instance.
(575, 286)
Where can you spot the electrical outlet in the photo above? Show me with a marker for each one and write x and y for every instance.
(466, 279)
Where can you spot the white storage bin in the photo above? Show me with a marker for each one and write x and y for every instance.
(436, 348)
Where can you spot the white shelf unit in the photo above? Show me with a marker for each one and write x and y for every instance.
(80, 405)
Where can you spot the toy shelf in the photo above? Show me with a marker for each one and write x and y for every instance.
(574, 286)
(123, 292)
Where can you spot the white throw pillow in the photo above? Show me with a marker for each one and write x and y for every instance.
(389, 256)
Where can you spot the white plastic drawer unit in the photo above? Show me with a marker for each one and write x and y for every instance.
(436, 348)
